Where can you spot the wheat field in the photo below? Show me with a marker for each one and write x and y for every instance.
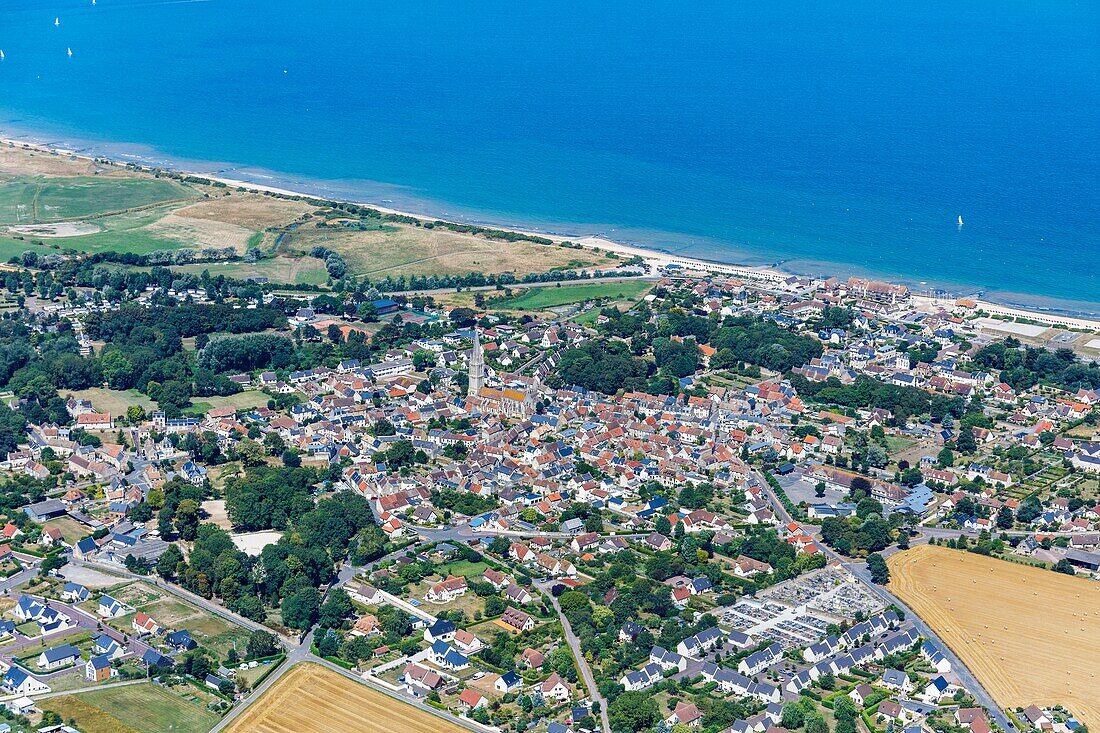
(1028, 634)
(312, 699)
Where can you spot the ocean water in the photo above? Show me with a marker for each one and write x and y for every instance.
(829, 137)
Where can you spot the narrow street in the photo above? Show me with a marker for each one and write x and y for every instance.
(582, 663)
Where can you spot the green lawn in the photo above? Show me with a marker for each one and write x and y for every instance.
(241, 401)
(551, 296)
(126, 232)
(123, 208)
(115, 401)
(896, 444)
(27, 200)
(465, 568)
(143, 708)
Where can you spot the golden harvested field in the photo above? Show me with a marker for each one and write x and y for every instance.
(312, 699)
(201, 232)
(408, 250)
(248, 210)
(1029, 635)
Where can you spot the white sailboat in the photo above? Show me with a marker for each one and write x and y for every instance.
(1, 54)
(56, 22)
(960, 220)
(70, 53)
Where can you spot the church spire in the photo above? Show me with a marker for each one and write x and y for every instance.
(477, 367)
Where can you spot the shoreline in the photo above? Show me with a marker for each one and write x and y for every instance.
(1053, 315)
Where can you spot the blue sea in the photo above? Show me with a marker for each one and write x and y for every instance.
(840, 137)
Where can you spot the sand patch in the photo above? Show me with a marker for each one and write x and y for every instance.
(57, 231)
(216, 513)
(253, 543)
(18, 161)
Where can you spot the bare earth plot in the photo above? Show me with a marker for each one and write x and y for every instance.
(17, 161)
(408, 250)
(1029, 635)
(201, 233)
(312, 699)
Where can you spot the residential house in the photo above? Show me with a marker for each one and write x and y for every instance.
(99, 669)
(447, 590)
(517, 619)
(110, 608)
(19, 682)
(58, 657)
(143, 624)
(686, 713)
(555, 688)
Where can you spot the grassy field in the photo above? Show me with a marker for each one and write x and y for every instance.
(407, 250)
(1029, 635)
(289, 270)
(240, 401)
(115, 401)
(35, 200)
(170, 612)
(144, 708)
(312, 699)
(72, 530)
(549, 297)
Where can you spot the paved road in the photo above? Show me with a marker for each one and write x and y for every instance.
(109, 685)
(18, 579)
(582, 663)
(203, 603)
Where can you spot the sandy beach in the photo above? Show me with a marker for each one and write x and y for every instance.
(656, 259)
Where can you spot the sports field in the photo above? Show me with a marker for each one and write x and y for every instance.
(1029, 635)
(312, 699)
(551, 296)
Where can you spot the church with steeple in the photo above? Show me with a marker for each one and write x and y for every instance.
(509, 401)
(477, 367)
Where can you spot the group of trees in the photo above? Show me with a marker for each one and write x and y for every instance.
(144, 350)
(285, 574)
(738, 340)
(246, 353)
(603, 366)
(334, 263)
(764, 343)
(1025, 366)
(267, 497)
(854, 536)
(463, 502)
(866, 392)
